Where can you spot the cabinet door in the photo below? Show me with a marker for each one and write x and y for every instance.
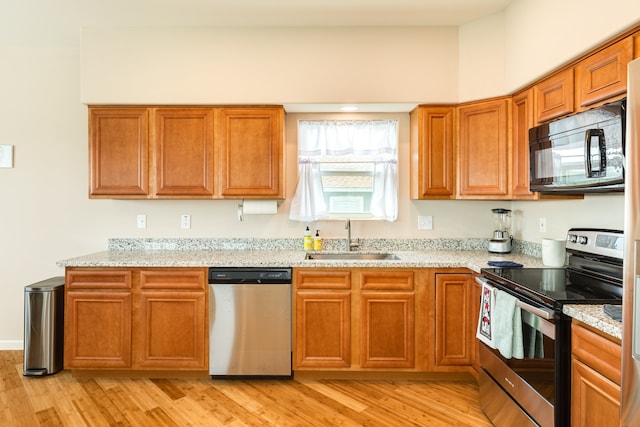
(554, 96)
(484, 150)
(171, 330)
(184, 152)
(118, 152)
(323, 329)
(97, 329)
(522, 121)
(603, 75)
(454, 320)
(432, 153)
(252, 152)
(595, 400)
(387, 330)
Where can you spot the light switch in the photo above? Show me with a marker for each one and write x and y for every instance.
(6, 156)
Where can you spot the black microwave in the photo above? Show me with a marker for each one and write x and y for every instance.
(582, 153)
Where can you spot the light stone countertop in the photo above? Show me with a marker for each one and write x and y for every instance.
(593, 315)
(472, 259)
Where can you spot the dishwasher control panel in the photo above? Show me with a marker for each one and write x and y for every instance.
(249, 275)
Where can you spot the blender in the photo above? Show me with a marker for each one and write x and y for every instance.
(502, 238)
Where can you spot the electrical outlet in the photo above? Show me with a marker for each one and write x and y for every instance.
(185, 221)
(425, 222)
(141, 220)
(543, 225)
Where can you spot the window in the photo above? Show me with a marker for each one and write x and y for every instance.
(346, 169)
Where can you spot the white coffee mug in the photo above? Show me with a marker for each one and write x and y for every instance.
(553, 252)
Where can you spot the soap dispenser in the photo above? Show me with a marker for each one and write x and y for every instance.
(308, 240)
(317, 241)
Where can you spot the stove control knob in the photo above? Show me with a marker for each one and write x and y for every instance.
(573, 238)
(582, 240)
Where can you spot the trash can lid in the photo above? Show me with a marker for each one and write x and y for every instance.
(49, 284)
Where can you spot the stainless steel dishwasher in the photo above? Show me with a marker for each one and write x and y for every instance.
(250, 322)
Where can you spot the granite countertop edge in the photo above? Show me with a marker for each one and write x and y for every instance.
(594, 316)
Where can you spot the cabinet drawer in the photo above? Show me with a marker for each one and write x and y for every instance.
(173, 280)
(596, 351)
(387, 280)
(321, 279)
(98, 279)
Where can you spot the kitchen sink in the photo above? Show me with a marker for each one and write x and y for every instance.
(353, 256)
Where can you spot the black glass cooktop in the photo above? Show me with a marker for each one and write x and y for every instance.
(556, 286)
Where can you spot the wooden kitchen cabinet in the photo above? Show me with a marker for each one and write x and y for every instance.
(322, 328)
(522, 119)
(483, 150)
(433, 158)
(454, 320)
(97, 321)
(603, 75)
(387, 316)
(136, 319)
(554, 96)
(595, 377)
(334, 307)
(183, 148)
(186, 152)
(252, 152)
(118, 152)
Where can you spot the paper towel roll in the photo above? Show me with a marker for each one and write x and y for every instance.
(553, 252)
(259, 207)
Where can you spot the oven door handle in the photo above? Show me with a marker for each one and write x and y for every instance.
(541, 312)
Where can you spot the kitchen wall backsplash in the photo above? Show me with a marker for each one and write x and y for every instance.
(226, 244)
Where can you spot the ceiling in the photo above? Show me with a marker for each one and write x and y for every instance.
(62, 20)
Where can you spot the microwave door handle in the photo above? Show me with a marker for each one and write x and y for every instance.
(602, 151)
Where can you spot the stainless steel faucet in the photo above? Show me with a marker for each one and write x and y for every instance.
(350, 246)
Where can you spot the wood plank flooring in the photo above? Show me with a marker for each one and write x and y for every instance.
(61, 400)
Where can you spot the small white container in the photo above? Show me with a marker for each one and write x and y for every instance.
(554, 253)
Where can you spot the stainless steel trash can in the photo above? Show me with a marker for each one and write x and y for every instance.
(44, 327)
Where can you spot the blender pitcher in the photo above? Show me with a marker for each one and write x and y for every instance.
(502, 239)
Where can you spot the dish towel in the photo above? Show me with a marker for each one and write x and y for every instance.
(532, 336)
(485, 320)
(507, 323)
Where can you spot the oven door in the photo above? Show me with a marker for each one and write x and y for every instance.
(523, 391)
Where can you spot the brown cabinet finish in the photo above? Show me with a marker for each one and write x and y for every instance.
(118, 152)
(454, 325)
(555, 96)
(432, 153)
(522, 120)
(603, 75)
(595, 378)
(252, 152)
(184, 152)
(483, 149)
(136, 319)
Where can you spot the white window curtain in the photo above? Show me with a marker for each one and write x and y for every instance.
(375, 140)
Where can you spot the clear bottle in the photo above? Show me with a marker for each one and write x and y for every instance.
(308, 240)
(317, 241)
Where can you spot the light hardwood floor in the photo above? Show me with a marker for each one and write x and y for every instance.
(61, 400)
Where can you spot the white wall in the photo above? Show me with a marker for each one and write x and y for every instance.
(46, 215)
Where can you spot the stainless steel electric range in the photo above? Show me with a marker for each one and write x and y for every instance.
(535, 390)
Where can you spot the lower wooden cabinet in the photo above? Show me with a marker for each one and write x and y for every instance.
(354, 319)
(454, 319)
(595, 378)
(136, 319)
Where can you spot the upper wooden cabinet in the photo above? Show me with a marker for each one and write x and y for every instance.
(554, 96)
(186, 152)
(483, 149)
(521, 121)
(252, 152)
(636, 45)
(603, 75)
(432, 153)
(118, 152)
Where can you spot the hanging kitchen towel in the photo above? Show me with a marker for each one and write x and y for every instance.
(507, 323)
(485, 320)
(533, 337)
